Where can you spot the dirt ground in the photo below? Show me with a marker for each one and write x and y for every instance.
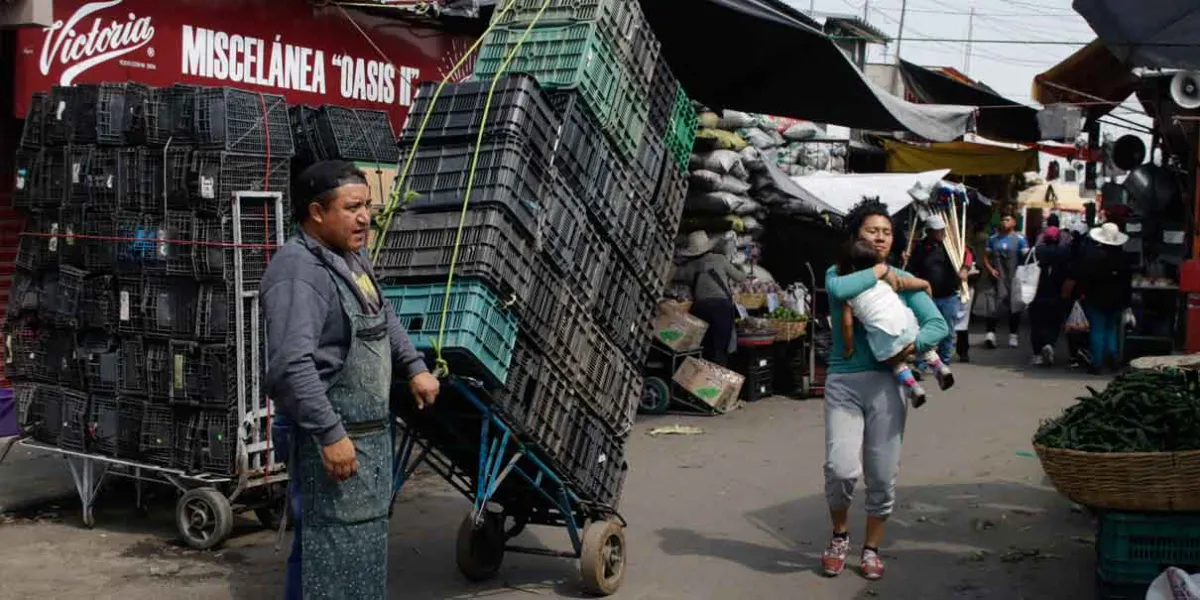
(735, 512)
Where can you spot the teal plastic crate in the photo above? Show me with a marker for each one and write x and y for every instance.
(681, 134)
(561, 58)
(480, 332)
(1135, 548)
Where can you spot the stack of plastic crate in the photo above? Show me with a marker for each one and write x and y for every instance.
(1133, 549)
(336, 132)
(121, 316)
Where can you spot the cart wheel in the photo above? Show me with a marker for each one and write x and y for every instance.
(602, 560)
(89, 519)
(204, 518)
(480, 550)
(656, 396)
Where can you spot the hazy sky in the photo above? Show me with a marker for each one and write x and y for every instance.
(1008, 68)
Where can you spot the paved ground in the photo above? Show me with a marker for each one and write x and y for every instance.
(736, 512)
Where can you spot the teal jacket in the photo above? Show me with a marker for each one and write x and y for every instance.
(841, 288)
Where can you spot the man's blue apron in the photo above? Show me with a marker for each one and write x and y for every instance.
(345, 525)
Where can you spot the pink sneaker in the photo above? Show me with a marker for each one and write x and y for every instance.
(833, 560)
(871, 565)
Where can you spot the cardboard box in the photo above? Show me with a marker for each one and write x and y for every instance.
(679, 331)
(712, 384)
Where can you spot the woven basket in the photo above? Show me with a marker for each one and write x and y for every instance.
(786, 331)
(1133, 481)
(751, 301)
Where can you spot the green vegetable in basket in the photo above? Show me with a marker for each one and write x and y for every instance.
(1140, 411)
(784, 313)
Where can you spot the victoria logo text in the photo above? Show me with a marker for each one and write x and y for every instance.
(71, 44)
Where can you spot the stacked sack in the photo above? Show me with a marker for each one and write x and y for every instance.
(122, 328)
(578, 191)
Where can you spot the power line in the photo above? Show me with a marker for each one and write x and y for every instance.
(1020, 42)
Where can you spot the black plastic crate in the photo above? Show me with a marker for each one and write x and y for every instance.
(59, 119)
(114, 432)
(217, 175)
(110, 114)
(101, 357)
(158, 369)
(76, 410)
(596, 460)
(129, 302)
(592, 256)
(670, 196)
(42, 354)
(218, 376)
(187, 384)
(608, 372)
(336, 132)
(69, 249)
(27, 182)
(548, 421)
(420, 246)
(186, 432)
(519, 110)
(178, 232)
(99, 244)
(664, 91)
(33, 133)
(55, 174)
(521, 387)
(131, 366)
(163, 180)
(33, 249)
(39, 410)
(216, 254)
(60, 300)
(170, 112)
(98, 306)
(562, 227)
(215, 313)
(24, 297)
(155, 442)
(541, 313)
(648, 166)
(106, 175)
(244, 122)
(168, 307)
(218, 443)
(610, 212)
(506, 175)
(138, 242)
(582, 153)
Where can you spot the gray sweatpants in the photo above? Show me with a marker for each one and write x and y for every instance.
(864, 416)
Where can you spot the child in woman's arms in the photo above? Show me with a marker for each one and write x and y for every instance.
(890, 325)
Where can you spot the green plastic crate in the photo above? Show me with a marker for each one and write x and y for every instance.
(480, 332)
(681, 135)
(1135, 548)
(570, 57)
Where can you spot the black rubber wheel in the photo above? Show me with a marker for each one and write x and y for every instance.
(204, 518)
(479, 550)
(602, 560)
(656, 396)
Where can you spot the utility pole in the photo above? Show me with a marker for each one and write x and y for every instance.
(866, 11)
(970, 39)
(812, 6)
(896, 80)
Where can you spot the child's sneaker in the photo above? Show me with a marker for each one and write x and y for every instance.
(945, 377)
(990, 341)
(916, 395)
(833, 560)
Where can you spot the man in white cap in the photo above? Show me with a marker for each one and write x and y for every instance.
(931, 261)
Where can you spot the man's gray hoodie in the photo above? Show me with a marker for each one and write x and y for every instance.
(308, 333)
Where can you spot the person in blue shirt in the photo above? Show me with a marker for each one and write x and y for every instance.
(1005, 251)
(865, 406)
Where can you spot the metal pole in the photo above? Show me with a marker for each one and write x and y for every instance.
(970, 38)
(896, 81)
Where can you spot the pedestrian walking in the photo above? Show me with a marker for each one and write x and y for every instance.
(931, 261)
(1106, 278)
(1048, 310)
(1005, 251)
(333, 350)
(707, 272)
(865, 407)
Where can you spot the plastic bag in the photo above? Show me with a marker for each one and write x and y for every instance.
(758, 138)
(753, 159)
(1025, 284)
(1174, 584)
(801, 131)
(720, 139)
(1077, 321)
(724, 162)
(709, 119)
(718, 203)
(709, 181)
(732, 120)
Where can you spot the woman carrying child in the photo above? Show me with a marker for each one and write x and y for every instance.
(865, 404)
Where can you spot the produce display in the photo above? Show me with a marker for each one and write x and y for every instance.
(784, 313)
(1140, 411)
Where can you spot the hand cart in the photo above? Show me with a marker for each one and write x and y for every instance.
(204, 511)
(510, 483)
(812, 384)
(659, 391)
